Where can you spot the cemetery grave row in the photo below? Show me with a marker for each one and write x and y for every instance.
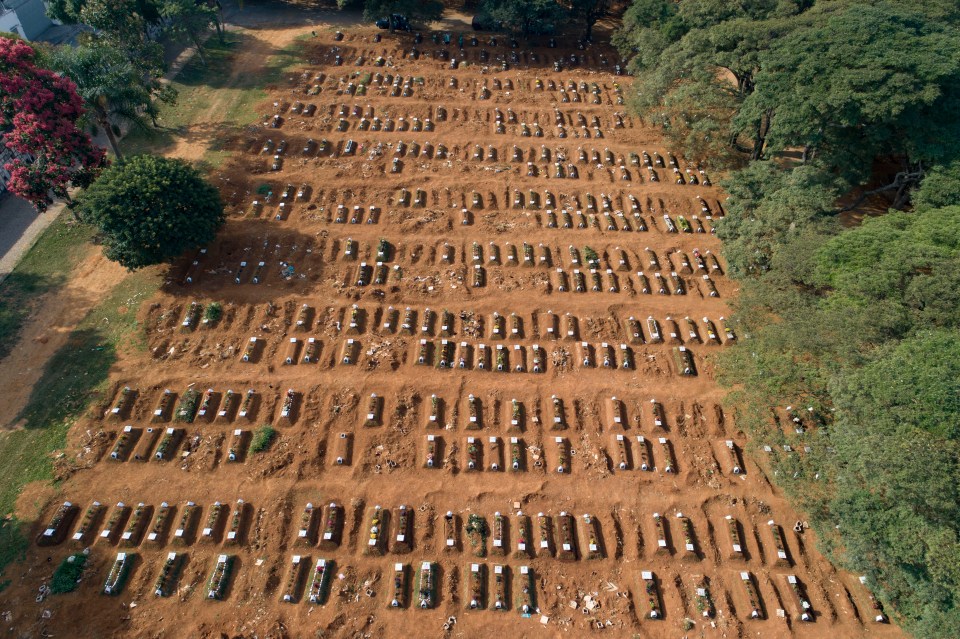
(415, 321)
(491, 408)
(512, 537)
(397, 214)
(562, 535)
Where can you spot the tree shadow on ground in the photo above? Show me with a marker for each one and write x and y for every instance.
(216, 73)
(18, 297)
(70, 379)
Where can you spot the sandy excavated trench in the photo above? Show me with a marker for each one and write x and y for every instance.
(672, 522)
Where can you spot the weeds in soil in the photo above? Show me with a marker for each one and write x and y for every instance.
(68, 574)
(213, 312)
(262, 438)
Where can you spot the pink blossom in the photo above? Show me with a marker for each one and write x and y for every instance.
(39, 111)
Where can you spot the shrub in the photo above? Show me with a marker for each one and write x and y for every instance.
(262, 438)
(213, 312)
(68, 573)
(591, 256)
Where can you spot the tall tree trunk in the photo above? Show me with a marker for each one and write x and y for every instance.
(103, 119)
(761, 136)
(758, 141)
(199, 45)
(71, 204)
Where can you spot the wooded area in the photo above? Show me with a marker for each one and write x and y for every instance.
(817, 109)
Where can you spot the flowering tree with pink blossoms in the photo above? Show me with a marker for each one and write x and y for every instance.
(39, 113)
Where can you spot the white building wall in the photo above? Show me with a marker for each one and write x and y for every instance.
(32, 15)
(26, 18)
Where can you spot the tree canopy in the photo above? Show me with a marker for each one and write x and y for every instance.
(841, 81)
(111, 87)
(71, 11)
(863, 325)
(814, 108)
(191, 19)
(588, 12)
(121, 61)
(150, 209)
(413, 9)
(528, 17)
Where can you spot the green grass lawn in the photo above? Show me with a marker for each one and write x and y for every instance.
(43, 269)
(25, 454)
(198, 85)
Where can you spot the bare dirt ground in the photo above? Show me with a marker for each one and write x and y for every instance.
(375, 415)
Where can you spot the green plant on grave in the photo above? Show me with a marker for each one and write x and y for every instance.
(591, 256)
(213, 312)
(67, 575)
(262, 438)
(188, 406)
(477, 531)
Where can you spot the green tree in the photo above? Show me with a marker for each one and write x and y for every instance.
(525, 16)
(128, 26)
(859, 81)
(898, 469)
(112, 89)
(681, 51)
(843, 83)
(861, 323)
(940, 186)
(150, 209)
(767, 207)
(424, 10)
(588, 12)
(858, 320)
(191, 19)
(648, 28)
(902, 264)
(70, 11)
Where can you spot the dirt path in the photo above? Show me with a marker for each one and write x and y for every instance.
(49, 329)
